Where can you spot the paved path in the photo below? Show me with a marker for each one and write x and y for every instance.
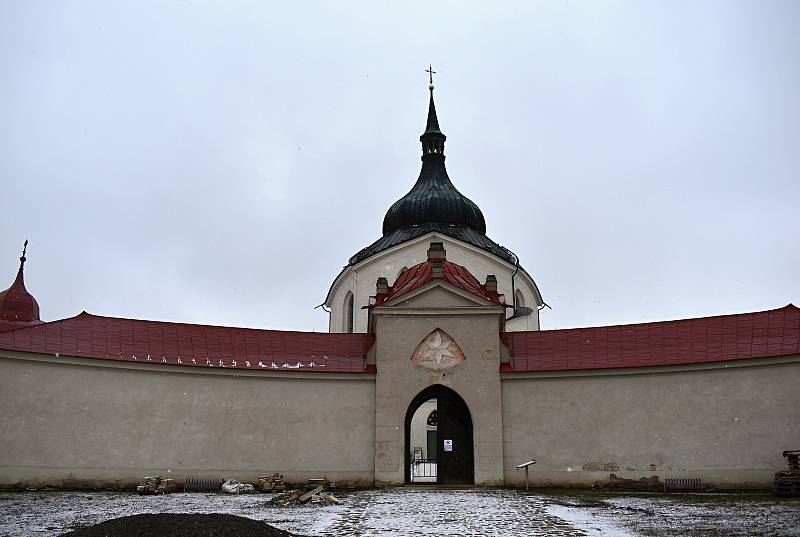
(448, 512)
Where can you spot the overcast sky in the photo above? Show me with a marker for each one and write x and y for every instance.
(218, 162)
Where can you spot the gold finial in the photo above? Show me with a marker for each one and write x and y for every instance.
(430, 72)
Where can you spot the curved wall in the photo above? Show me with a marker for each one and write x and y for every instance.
(82, 422)
(71, 422)
(727, 423)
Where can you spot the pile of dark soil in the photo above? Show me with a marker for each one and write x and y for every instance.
(180, 525)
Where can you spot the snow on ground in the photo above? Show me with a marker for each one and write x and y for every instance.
(592, 524)
(420, 511)
(681, 515)
(414, 511)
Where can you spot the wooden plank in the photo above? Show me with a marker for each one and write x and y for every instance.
(305, 497)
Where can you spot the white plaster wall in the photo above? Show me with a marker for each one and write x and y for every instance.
(80, 422)
(419, 427)
(360, 279)
(726, 424)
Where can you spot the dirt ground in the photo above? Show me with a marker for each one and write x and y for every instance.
(180, 525)
(426, 511)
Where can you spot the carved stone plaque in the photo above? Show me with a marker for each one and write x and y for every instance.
(438, 351)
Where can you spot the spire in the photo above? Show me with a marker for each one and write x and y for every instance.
(433, 122)
(23, 258)
(433, 199)
(433, 138)
(19, 282)
(17, 305)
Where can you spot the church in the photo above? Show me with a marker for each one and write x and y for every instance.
(434, 371)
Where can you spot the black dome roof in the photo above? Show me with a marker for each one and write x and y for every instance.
(433, 198)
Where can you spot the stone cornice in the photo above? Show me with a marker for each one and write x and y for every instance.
(652, 370)
(62, 360)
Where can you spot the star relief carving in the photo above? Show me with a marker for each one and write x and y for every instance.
(438, 351)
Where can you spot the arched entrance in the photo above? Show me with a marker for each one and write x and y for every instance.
(453, 462)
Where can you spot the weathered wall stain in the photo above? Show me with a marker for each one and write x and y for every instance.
(600, 467)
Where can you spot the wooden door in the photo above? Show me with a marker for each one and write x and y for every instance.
(455, 460)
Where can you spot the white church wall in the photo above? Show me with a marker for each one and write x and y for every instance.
(360, 280)
(726, 423)
(91, 423)
(419, 428)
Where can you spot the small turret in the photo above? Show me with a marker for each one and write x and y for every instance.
(18, 308)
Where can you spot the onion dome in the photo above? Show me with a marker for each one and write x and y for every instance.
(433, 199)
(433, 205)
(17, 305)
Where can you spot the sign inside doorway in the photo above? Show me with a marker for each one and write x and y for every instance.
(448, 445)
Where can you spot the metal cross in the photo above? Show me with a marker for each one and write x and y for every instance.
(24, 247)
(430, 72)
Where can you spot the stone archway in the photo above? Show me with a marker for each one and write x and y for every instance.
(455, 450)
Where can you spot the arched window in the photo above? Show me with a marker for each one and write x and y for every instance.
(433, 419)
(348, 313)
(519, 299)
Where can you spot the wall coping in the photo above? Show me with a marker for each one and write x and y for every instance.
(653, 370)
(64, 360)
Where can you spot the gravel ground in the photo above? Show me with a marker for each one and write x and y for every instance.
(684, 515)
(420, 511)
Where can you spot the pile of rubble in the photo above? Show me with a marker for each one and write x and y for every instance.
(787, 482)
(231, 486)
(317, 491)
(271, 483)
(643, 484)
(155, 485)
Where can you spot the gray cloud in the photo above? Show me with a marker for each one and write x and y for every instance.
(219, 162)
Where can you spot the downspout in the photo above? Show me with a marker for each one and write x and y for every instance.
(326, 310)
(538, 309)
(513, 285)
(514, 290)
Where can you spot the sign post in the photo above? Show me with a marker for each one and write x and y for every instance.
(525, 465)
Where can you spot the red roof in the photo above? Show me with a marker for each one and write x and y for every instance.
(710, 339)
(129, 340)
(421, 274)
(689, 341)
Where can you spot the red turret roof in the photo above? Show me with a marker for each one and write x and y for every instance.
(688, 341)
(421, 274)
(17, 306)
(129, 340)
